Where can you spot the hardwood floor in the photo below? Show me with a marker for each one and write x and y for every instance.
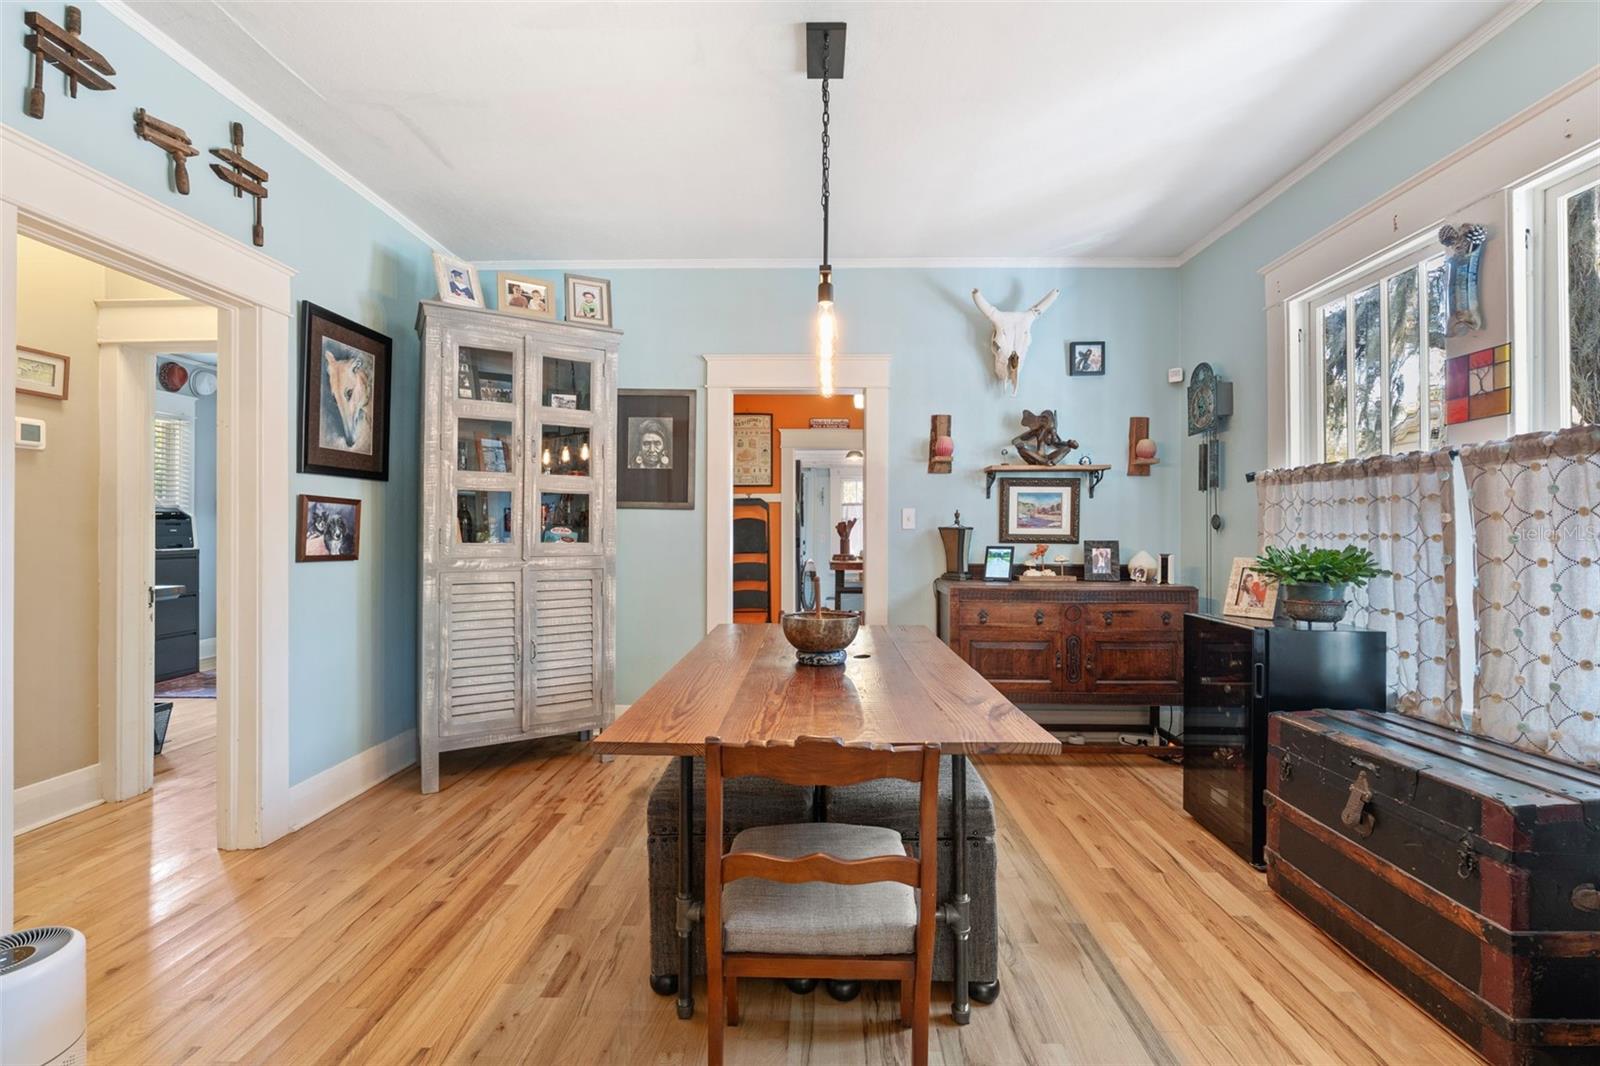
(502, 920)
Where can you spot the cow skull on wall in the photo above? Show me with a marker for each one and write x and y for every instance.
(1013, 331)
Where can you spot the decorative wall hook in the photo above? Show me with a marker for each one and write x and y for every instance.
(63, 48)
(169, 139)
(244, 176)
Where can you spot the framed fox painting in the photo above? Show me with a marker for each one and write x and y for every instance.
(344, 396)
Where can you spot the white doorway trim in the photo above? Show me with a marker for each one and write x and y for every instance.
(791, 441)
(728, 374)
(132, 333)
(56, 199)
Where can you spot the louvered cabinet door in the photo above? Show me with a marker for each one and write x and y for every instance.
(565, 608)
(482, 681)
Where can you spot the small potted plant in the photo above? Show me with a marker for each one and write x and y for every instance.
(1314, 579)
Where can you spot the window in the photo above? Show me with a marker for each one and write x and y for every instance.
(1378, 351)
(852, 494)
(174, 462)
(1571, 220)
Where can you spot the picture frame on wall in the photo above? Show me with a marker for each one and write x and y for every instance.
(1100, 561)
(1086, 358)
(588, 300)
(655, 448)
(752, 450)
(1039, 510)
(329, 529)
(1250, 593)
(458, 282)
(345, 369)
(534, 297)
(42, 373)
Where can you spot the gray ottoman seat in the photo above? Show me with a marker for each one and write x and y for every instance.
(890, 804)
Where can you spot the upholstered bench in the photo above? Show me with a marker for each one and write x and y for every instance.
(893, 805)
(890, 804)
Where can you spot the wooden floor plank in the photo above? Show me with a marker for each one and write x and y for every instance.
(504, 920)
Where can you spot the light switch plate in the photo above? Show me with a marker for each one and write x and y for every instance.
(908, 518)
(1175, 376)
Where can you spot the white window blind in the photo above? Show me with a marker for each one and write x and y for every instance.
(174, 462)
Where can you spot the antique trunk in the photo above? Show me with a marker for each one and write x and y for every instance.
(1464, 872)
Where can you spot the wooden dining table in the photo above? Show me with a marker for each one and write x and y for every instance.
(899, 685)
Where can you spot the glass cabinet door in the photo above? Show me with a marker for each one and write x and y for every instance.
(567, 439)
(483, 447)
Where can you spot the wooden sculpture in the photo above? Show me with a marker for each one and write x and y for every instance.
(63, 48)
(244, 176)
(843, 529)
(169, 139)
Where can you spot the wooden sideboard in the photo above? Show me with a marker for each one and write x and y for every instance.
(1083, 643)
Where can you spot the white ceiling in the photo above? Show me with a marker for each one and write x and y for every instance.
(612, 131)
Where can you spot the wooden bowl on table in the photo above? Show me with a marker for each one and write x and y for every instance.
(820, 637)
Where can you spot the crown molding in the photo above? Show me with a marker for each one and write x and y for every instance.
(969, 263)
(1468, 45)
(233, 94)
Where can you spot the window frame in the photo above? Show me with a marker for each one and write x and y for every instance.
(1542, 276)
(1307, 380)
(186, 459)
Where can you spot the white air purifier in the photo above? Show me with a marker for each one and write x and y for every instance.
(44, 985)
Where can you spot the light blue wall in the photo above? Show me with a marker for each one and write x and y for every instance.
(205, 509)
(352, 663)
(926, 320)
(1222, 292)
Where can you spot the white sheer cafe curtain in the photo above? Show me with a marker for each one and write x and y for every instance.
(1400, 508)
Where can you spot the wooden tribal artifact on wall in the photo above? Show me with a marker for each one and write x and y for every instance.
(244, 176)
(63, 48)
(941, 449)
(169, 139)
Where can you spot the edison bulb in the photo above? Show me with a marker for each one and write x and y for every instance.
(583, 451)
(827, 339)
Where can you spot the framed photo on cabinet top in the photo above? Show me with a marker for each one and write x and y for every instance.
(533, 297)
(458, 282)
(588, 300)
(1250, 593)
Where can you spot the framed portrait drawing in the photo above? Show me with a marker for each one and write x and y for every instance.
(533, 297)
(1250, 593)
(1038, 510)
(458, 282)
(344, 396)
(329, 530)
(1100, 562)
(588, 300)
(752, 450)
(1086, 357)
(41, 373)
(655, 448)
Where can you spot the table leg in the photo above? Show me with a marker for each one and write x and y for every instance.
(838, 590)
(686, 905)
(957, 911)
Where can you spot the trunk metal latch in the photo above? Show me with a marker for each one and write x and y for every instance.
(1586, 898)
(1355, 815)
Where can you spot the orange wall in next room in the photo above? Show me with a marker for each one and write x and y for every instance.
(788, 411)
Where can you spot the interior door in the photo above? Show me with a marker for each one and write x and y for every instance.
(566, 642)
(482, 653)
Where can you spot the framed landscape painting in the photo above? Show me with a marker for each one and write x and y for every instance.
(1037, 510)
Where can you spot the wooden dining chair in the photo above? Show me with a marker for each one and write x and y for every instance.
(820, 899)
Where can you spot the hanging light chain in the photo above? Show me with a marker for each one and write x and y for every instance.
(825, 142)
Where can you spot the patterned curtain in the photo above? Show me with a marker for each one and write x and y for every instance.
(1536, 515)
(1401, 509)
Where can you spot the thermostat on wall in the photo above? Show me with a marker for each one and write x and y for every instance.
(1175, 376)
(30, 433)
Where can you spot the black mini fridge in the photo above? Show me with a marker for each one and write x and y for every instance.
(1236, 672)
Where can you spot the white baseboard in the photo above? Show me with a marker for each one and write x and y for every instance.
(208, 650)
(338, 785)
(54, 798)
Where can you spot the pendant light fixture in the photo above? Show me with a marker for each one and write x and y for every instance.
(825, 60)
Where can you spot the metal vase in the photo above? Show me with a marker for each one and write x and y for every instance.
(957, 545)
(1315, 603)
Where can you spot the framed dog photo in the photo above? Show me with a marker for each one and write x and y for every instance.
(533, 297)
(1250, 593)
(1086, 357)
(458, 282)
(588, 300)
(655, 448)
(329, 530)
(1100, 562)
(344, 396)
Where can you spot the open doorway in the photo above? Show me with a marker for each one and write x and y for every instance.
(125, 461)
(827, 533)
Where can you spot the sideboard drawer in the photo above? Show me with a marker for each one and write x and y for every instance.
(1123, 617)
(1020, 615)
